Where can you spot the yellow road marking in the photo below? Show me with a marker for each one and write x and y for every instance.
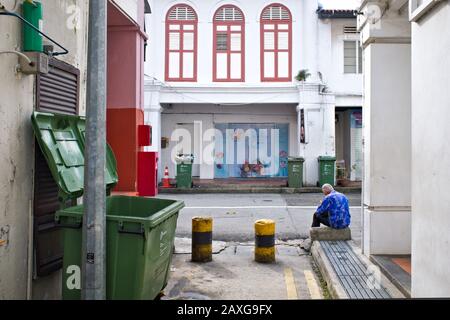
(313, 287)
(290, 284)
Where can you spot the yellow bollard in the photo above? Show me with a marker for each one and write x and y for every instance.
(265, 241)
(202, 239)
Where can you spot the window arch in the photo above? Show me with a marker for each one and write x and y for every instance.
(229, 44)
(181, 44)
(276, 43)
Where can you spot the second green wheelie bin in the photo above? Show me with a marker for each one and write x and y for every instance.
(184, 171)
(295, 172)
(327, 169)
(140, 231)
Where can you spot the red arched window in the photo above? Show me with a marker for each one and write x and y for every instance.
(181, 44)
(229, 42)
(276, 43)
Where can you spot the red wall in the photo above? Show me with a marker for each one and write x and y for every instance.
(125, 93)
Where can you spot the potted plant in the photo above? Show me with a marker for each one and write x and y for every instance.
(302, 75)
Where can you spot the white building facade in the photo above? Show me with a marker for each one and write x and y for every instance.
(406, 158)
(223, 72)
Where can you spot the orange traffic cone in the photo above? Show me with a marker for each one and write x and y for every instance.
(166, 182)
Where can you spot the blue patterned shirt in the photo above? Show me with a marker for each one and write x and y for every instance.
(336, 204)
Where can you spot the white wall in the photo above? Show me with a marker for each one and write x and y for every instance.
(387, 115)
(387, 148)
(341, 83)
(319, 133)
(387, 135)
(17, 143)
(431, 154)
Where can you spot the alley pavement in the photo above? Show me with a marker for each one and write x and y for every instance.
(233, 273)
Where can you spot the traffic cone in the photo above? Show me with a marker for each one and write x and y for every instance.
(166, 182)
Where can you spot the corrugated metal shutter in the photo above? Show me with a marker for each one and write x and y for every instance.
(56, 92)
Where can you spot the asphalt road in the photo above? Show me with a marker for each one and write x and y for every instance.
(234, 214)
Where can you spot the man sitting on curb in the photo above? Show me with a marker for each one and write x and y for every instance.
(334, 210)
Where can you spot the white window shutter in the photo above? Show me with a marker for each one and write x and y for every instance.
(188, 65)
(222, 66)
(283, 41)
(269, 41)
(235, 42)
(174, 41)
(269, 64)
(174, 65)
(188, 41)
(283, 64)
(235, 67)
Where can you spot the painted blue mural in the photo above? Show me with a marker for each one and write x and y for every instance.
(251, 150)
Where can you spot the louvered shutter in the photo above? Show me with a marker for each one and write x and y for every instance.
(56, 92)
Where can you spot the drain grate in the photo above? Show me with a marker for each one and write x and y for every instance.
(351, 271)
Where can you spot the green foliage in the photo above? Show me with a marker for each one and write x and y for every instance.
(303, 75)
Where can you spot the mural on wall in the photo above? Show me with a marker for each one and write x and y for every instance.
(251, 150)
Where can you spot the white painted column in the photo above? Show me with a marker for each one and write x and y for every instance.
(152, 117)
(387, 135)
(319, 112)
(431, 155)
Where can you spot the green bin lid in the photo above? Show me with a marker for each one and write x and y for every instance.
(327, 158)
(62, 140)
(296, 159)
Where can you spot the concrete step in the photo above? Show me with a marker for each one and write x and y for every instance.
(400, 278)
(349, 274)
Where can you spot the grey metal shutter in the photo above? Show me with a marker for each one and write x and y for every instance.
(56, 92)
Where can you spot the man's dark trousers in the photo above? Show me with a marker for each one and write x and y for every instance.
(322, 219)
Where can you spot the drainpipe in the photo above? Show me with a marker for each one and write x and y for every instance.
(94, 222)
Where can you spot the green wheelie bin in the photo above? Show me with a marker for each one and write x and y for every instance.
(295, 172)
(184, 171)
(327, 169)
(140, 231)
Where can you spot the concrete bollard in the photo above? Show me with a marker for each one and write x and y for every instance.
(265, 241)
(202, 239)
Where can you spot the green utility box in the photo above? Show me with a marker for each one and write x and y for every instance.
(32, 12)
(295, 172)
(184, 171)
(140, 231)
(327, 169)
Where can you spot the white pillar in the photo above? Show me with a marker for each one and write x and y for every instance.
(309, 38)
(152, 117)
(319, 112)
(431, 155)
(387, 134)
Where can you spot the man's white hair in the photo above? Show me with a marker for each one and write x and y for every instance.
(328, 187)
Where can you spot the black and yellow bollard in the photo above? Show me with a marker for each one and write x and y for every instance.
(265, 241)
(202, 239)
